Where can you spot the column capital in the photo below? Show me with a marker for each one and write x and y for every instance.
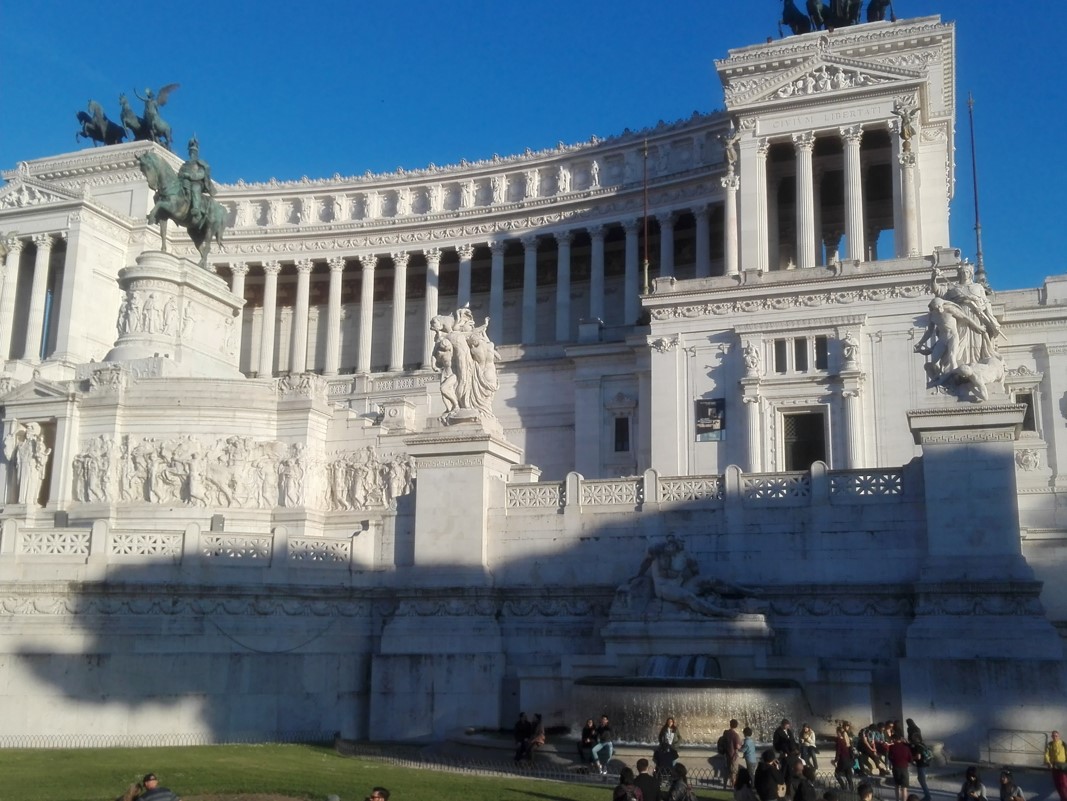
(563, 237)
(238, 268)
(400, 259)
(762, 146)
(465, 251)
(43, 241)
(631, 226)
(497, 246)
(804, 140)
(731, 183)
(304, 266)
(597, 231)
(852, 134)
(272, 267)
(529, 241)
(369, 261)
(701, 210)
(13, 243)
(907, 159)
(433, 255)
(666, 218)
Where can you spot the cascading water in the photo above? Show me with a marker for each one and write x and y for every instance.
(688, 689)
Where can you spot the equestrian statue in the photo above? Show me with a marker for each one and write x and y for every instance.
(187, 197)
(818, 15)
(97, 127)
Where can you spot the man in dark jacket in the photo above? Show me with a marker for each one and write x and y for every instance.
(768, 777)
(646, 782)
(784, 740)
(153, 792)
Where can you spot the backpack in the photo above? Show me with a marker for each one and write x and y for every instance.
(923, 754)
(723, 746)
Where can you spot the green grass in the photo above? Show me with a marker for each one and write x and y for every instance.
(299, 771)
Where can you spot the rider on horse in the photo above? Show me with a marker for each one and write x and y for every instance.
(195, 178)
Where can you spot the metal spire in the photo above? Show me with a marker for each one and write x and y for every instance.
(979, 273)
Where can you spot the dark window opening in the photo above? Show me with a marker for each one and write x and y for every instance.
(804, 440)
(622, 435)
(800, 355)
(1030, 417)
(821, 350)
(780, 354)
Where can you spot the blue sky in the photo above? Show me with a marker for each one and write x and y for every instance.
(318, 88)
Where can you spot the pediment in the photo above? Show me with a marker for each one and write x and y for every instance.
(822, 74)
(33, 390)
(24, 191)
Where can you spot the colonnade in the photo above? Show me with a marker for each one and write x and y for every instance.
(858, 225)
(264, 358)
(36, 322)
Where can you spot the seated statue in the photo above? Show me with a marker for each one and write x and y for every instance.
(675, 578)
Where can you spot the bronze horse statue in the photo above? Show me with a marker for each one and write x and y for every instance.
(172, 203)
(137, 126)
(97, 127)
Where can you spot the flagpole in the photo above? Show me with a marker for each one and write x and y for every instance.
(979, 273)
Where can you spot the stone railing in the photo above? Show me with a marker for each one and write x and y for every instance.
(20, 543)
(819, 485)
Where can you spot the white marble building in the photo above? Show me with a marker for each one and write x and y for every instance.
(219, 473)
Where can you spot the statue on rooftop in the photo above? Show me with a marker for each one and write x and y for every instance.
(187, 197)
(834, 14)
(97, 127)
(158, 128)
(131, 122)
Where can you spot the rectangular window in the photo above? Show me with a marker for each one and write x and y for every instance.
(803, 440)
(622, 435)
(800, 355)
(781, 354)
(821, 350)
(1030, 417)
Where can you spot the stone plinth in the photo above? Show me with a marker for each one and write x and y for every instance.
(462, 471)
(176, 320)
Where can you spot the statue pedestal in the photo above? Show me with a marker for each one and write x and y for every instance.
(176, 320)
(979, 630)
(462, 471)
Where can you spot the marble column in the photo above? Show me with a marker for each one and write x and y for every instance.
(529, 290)
(433, 286)
(899, 246)
(332, 362)
(703, 234)
(463, 292)
(238, 273)
(38, 298)
(853, 426)
(366, 311)
(270, 311)
(666, 244)
(563, 286)
(632, 297)
(853, 192)
(596, 272)
(751, 402)
(909, 203)
(496, 292)
(805, 200)
(7, 297)
(820, 257)
(400, 303)
(298, 342)
(730, 262)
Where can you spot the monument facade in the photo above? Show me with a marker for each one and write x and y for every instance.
(389, 464)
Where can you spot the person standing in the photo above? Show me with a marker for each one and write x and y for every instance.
(783, 740)
(627, 789)
(1056, 760)
(680, 789)
(748, 751)
(732, 740)
(921, 755)
(154, 792)
(666, 753)
(768, 778)
(843, 759)
(899, 755)
(645, 781)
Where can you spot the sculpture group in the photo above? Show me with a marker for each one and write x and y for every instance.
(835, 14)
(961, 337)
(26, 447)
(237, 472)
(96, 127)
(465, 359)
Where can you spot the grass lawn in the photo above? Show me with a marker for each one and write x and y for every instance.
(248, 772)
